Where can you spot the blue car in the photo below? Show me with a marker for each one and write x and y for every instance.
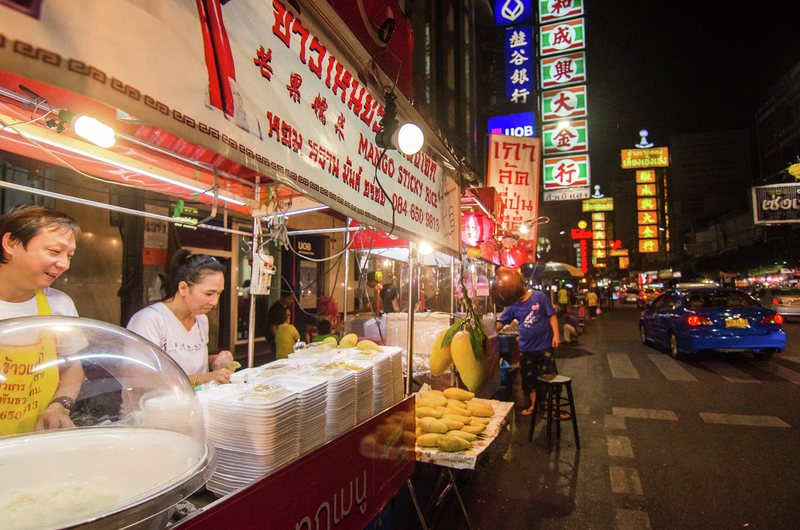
(689, 320)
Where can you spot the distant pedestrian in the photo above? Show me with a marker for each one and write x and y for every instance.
(591, 301)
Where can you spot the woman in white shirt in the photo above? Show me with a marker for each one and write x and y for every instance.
(179, 325)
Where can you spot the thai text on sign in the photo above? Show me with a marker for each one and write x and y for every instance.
(637, 158)
(514, 173)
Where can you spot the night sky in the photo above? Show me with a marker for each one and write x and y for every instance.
(679, 67)
(676, 67)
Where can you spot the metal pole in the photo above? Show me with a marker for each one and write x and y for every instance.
(251, 320)
(453, 378)
(410, 349)
(346, 275)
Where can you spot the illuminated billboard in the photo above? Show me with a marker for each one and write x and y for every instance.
(522, 124)
(638, 158)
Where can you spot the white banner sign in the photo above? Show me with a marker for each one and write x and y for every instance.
(514, 172)
(253, 81)
(567, 194)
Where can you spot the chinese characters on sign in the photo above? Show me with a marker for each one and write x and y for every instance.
(514, 173)
(520, 70)
(562, 37)
(552, 10)
(651, 195)
(566, 137)
(566, 172)
(563, 70)
(563, 104)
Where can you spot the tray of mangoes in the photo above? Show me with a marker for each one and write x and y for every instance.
(450, 419)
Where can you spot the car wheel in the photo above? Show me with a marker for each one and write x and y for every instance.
(763, 356)
(674, 348)
(643, 334)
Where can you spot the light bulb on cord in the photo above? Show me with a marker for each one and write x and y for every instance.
(409, 139)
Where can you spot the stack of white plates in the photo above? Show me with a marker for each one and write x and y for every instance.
(364, 388)
(340, 412)
(312, 423)
(252, 439)
(382, 385)
(398, 388)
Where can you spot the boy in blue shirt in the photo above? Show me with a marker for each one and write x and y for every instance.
(538, 332)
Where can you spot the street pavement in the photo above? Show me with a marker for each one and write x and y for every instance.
(710, 442)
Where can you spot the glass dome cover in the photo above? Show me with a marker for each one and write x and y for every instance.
(132, 445)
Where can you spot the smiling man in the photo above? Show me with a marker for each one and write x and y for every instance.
(37, 246)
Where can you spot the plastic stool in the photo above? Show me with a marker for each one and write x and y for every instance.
(550, 386)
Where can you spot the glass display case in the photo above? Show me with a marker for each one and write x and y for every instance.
(101, 429)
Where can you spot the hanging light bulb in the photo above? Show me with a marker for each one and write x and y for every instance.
(425, 248)
(87, 127)
(408, 139)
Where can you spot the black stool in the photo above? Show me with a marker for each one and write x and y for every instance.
(550, 386)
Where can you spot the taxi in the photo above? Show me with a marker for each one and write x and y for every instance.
(690, 320)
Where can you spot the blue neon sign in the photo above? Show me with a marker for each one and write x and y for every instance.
(523, 124)
(520, 64)
(507, 12)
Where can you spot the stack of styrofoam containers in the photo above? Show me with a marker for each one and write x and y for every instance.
(340, 412)
(396, 356)
(382, 378)
(252, 439)
(311, 416)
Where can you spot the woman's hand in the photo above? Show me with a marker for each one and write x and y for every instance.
(54, 417)
(220, 377)
(222, 359)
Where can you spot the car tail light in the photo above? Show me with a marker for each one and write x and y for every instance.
(777, 302)
(699, 320)
(772, 320)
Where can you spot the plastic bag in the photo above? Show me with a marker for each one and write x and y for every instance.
(598, 311)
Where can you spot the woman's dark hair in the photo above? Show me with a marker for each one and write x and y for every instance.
(189, 268)
(324, 327)
(26, 221)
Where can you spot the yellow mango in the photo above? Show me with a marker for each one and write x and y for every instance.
(458, 393)
(460, 412)
(331, 340)
(480, 408)
(461, 434)
(452, 443)
(484, 421)
(423, 412)
(457, 403)
(473, 429)
(431, 402)
(368, 345)
(428, 439)
(469, 368)
(452, 425)
(444, 410)
(438, 394)
(441, 358)
(348, 341)
(418, 432)
(456, 417)
(432, 425)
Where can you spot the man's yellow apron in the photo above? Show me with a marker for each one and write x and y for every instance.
(26, 389)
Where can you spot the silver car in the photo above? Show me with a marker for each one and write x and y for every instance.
(786, 301)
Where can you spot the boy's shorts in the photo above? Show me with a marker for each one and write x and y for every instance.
(533, 364)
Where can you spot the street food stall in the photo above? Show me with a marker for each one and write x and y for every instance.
(256, 114)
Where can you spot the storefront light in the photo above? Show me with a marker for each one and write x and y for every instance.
(87, 127)
(425, 249)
